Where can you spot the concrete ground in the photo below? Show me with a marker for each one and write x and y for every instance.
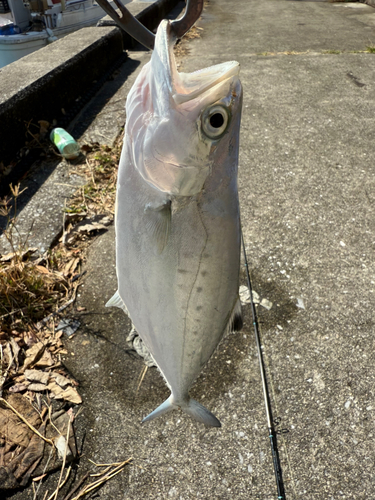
(307, 189)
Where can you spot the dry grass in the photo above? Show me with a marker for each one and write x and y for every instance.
(32, 286)
(29, 290)
(36, 291)
(98, 195)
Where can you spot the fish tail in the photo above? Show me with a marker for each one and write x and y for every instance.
(197, 411)
(165, 407)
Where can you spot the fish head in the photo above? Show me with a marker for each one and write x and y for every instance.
(179, 124)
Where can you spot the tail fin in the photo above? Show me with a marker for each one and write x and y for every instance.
(165, 407)
(200, 413)
(197, 411)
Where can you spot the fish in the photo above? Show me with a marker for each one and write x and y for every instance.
(177, 217)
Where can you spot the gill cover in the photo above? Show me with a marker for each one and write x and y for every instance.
(175, 120)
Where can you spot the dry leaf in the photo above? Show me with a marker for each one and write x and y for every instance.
(37, 376)
(96, 223)
(59, 379)
(30, 458)
(37, 387)
(62, 423)
(69, 394)
(7, 358)
(11, 427)
(92, 226)
(18, 387)
(45, 361)
(33, 354)
(16, 349)
(9, 256)
(61, 446)
(42, 270)
(71, 266)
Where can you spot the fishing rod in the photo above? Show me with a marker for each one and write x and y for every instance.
(270, 421)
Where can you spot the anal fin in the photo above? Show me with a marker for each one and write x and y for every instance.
(116, 301)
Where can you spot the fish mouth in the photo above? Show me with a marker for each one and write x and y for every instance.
(201, 81)
(185, 87)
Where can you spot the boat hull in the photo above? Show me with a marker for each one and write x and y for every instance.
(14, 47)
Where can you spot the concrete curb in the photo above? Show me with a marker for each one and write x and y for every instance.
(41, 84)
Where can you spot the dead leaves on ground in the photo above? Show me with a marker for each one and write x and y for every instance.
(32, 377)
(85, 228)
(32, 286)
(91, 210)
(33, 443)
(37, 369)
(29, 438)
(34, 290)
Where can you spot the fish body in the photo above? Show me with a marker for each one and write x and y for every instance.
(177, 217)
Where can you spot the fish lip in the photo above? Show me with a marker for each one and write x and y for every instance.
(185, 87)
(224, 73)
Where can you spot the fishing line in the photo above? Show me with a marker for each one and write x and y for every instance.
(270, 422)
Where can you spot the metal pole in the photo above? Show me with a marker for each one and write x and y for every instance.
(270, 424)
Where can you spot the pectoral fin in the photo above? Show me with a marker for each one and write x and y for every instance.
(159, 224)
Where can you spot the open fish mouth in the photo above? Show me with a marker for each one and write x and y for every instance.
(175, 120)
(185, 87)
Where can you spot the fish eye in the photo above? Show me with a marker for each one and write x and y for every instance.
(215, 121)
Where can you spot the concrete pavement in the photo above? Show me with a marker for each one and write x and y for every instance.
(307, 189)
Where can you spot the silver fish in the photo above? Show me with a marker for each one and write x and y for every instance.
(177, 217)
